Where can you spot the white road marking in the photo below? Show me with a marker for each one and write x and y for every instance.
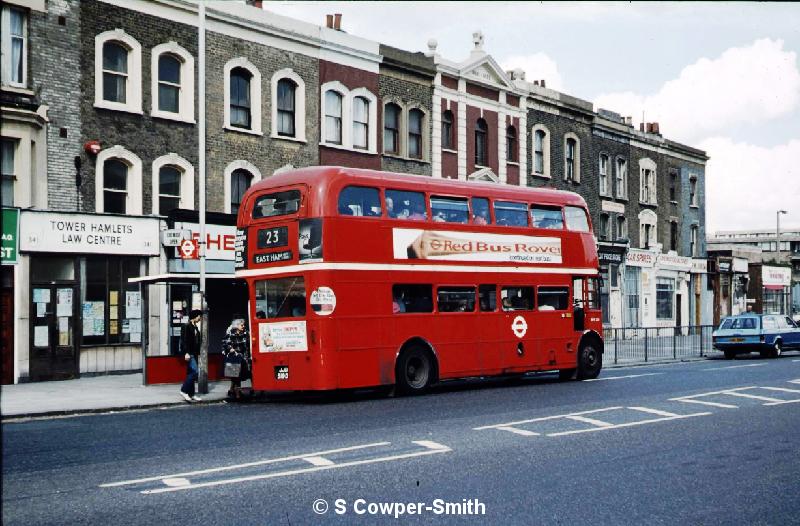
(653, 411)
(542, 419)
(784, 402)
(239, 466)
(735, 366)
(523, 432)
(621, 377)
(431, 448)
(755, 397)
(319, 461)
(797, 381)
(178, 481)
(703, 402)
(592, 421)
(628, 424)
(796, 360)
(782, 389)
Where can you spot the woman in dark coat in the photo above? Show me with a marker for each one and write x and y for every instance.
(236, 347)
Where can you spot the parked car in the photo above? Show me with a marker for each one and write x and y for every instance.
(768, 334)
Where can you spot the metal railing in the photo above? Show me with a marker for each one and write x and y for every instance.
(650, 344)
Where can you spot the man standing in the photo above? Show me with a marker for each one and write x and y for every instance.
(190, 346)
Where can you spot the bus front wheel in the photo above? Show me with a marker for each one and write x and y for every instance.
(414, 372)
(590, 361)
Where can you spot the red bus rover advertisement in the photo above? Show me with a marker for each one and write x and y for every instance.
(361, 278)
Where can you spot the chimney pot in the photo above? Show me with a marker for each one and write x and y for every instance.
(329, 21)
(535, 82)
(543, 84)
(655, 128)
(337, 21)
(641, 126)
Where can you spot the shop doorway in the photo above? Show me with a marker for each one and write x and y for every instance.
(7, 325)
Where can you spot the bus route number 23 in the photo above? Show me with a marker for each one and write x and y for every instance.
(273, 237)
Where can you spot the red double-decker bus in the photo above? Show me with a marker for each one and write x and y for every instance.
(363, 278)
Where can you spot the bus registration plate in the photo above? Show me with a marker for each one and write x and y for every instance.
(281, 372)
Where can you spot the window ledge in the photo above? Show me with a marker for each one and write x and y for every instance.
(117, 107)
(621, 198)
(172, 117)
(694, 206)
(643, 203)
(542, 176)
(513, 163)
(20, 90)
(228, 127)
(673, 202)
(288, 138)
(448, 150)
(347, 148)
(403, 158)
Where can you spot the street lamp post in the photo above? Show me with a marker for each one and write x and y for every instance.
(202, 380)
(778, 235)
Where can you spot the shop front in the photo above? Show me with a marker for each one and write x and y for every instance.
(640, 288)
(771, 289)
(611, 260)
(79, 314)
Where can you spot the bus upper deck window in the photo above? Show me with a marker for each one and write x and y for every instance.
(406, 205)
(360, 201)
(547, 217)
(449, 209)
(277, 204)
(480, 211)
(576, 219)
(511, 214)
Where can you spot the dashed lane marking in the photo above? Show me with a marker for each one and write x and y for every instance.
(627, 424)
(544, 418)
(523, 432)
(755, 397)
(621, 377)
(319, 461)
(592, 421)
(735, 366)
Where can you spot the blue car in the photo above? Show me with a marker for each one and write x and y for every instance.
(768, 334)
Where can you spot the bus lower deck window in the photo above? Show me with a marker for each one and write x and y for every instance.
(412, 298)
(456, 299)
(517, 298)
(488, 297)
(553, 298)
(281, 298)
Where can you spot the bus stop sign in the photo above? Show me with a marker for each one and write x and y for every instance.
(189, 249)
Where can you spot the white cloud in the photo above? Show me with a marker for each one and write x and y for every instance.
(744, 85)
(537, 66)
(747, 184)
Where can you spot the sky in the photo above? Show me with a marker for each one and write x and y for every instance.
(722, 77)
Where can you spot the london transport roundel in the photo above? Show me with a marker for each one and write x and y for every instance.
(189, 249)
(519, 326)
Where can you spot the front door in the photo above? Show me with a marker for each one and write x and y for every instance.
(7, 327)
(53, 353)
(678, 309)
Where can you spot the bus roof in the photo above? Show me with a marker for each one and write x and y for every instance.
(339, 176)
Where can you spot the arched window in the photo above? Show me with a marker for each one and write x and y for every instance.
(539, 152)
(447, 130)
(286, 107)
(647, 181)
(169, 189)
(360, 123)
(240, 103)
(240, 182)
(115, 72)
(115, 186)
(481, 147)
(333, 117)
(511, 144)
(391, 128)
(169, 83)
(415, 118)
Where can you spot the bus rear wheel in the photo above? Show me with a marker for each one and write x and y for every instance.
(590, 361)
(414, 372)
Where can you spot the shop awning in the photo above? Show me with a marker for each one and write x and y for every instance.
(775, 287)
(177, 276)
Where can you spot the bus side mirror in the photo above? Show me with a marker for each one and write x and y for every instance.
(579, 318)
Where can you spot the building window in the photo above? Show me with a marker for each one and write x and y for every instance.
(572, 156)
(673, 186)
(108, 290)
(447, 130)
(240, 107)
(7, 153)
(360, 123)
(647, 228)
(622, 227)
(541, 151)
(115, 186)
(14, 46)
(118, 72)
(693, 191)
(172, 70)
(481, 146)
(604, 226)
(603, 170)
(647, 181)
(673, 235)
(169, 189)
(333, 117)
(240, 182)
(511, 144)
(415, 118)
(286, 106)
(665, 289)
(391, 129)
(622, 178)
(173, 184)
(693, 248)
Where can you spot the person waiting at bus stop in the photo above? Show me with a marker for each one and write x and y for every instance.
(190, 347)
(236, 349)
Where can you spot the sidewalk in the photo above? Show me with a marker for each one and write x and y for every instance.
(94, 394)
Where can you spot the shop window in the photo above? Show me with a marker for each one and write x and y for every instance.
(281, 298)
(553, 298)
(632, 287)
(508, 213)
(665, 290)
(548, 217)
(360, 201)
(412, 298)
(516, 298)
(406, 205)
(488, 297)
(455, 299)
(449, 209)
(111, 307)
